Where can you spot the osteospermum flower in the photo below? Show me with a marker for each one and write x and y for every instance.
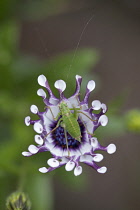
(52, 129)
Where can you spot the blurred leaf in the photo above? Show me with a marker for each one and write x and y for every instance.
(8, 8)
(39, 187)
(132, 120)
(71, 181)
(39, 9)
(115, 127)
(116, 105)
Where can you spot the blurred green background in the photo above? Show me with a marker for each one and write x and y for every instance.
(44, 37)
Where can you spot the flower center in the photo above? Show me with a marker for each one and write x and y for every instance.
(59, 136)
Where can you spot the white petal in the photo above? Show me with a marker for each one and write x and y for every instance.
(85, 148)
(27, 120)
(41, 93)
(104, 107)
(102, 170)
(43, 170)
(53, 162)
(78, 77)
(77, 170)
(33, 149)
(42, 80)
(38, 127)
(96, 104)
(38, 139)
(51, 113)
(103, 120)
(111, 148)
(73, 102)
(86, 158)
(64, 160)
(70, 166)
(60, 84)
(57, 151)
(34, 109)
(91, 85)
(75, 153)
(26, 153)
(94, 142)
(98, 157)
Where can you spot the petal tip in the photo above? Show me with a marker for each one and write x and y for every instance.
(60, 85)
(102, 170)
(42, 80)
(111, 148)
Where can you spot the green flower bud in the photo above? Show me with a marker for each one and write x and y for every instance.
(18, 201)
(133, 120)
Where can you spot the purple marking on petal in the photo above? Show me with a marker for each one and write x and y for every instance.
(90, 87)
(60, 85)
(78, 85)
(52, 97)
(93, 165)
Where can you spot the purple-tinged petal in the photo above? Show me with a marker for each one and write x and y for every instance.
(90, 87)
(78, 85)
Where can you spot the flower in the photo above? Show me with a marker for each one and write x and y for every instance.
(55, 136)
(18, 200)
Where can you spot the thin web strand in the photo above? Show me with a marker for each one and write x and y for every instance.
(80, 38)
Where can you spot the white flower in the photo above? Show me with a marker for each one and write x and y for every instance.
(66, 128)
